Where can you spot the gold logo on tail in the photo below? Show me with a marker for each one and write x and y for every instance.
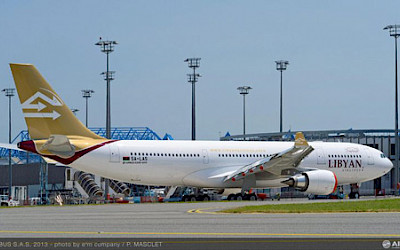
(30, 104)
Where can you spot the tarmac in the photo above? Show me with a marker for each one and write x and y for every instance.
(189, 220)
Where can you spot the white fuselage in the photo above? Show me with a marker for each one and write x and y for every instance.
(206, 163)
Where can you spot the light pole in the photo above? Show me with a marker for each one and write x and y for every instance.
(281, 66)
(193, 78)
(87, 93)
(9, 92)
(394, 30)
(244, 90)
(107, 47)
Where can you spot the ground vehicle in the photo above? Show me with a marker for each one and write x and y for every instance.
(5, 201)
(338, 195)
(34, 201)
(334, 196)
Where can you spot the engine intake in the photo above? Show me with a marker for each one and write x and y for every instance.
(322, 182)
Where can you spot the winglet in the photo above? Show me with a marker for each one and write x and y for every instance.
(300, 141)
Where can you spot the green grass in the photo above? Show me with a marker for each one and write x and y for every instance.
(387, 205)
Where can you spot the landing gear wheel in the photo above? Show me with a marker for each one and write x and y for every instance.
(192, 198)
(231, 197)
(206, 198)
(239, 197)
(186, 198)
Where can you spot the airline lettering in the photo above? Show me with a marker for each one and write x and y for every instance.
(345, 164)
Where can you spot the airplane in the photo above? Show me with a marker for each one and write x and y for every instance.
(311, 167)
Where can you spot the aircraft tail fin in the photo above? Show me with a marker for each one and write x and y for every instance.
(45, 112)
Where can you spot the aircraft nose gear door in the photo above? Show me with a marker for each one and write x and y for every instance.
(114, 153)
(205, 156)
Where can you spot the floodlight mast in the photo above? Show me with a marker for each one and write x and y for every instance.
(9, 92)
(87, 93)
(281, 66)
(394, 31)
(244, 90)
(193, 78)
(107, 47)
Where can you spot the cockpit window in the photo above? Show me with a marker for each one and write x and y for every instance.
(383, 156)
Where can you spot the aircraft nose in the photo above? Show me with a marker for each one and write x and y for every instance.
(387, 165)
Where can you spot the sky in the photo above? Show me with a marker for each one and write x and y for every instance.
(340, 73)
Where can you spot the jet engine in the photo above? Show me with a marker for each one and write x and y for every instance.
(322, 182)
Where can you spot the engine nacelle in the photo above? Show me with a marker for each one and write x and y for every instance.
(322, 182)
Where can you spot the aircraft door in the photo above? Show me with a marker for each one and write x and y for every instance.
(114, 153)
(205, 156)
(320, 156)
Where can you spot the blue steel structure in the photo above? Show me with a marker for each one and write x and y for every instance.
(118, 133)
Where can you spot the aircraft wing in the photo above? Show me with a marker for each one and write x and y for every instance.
(10, 146)
(15, 147)
(277, 163)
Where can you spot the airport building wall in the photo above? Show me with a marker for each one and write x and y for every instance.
(28, 175)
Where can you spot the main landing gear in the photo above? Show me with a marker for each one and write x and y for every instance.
(240, 197)
(204, 197)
